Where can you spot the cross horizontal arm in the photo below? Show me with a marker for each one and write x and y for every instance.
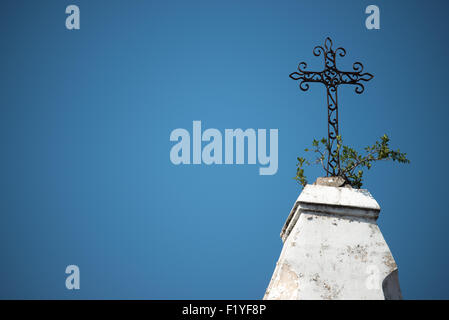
(354, 77)
(306, 76)
(332, 77)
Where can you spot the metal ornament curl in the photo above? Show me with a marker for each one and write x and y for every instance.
(332, 77)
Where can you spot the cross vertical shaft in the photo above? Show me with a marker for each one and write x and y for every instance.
(333, 157)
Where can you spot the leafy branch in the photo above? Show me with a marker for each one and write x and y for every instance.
(352, 163)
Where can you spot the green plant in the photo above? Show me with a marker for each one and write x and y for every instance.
(352, 162)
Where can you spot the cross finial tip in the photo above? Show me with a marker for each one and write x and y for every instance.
(328, 43)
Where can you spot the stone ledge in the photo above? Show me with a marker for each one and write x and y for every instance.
(359, 198)
(341, 201)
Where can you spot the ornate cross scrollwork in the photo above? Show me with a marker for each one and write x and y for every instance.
(332, 77)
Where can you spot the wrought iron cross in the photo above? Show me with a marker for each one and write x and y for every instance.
(331, 77)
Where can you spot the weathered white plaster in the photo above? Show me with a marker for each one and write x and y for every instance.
(333, 249)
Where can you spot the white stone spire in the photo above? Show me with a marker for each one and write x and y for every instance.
(333, 249)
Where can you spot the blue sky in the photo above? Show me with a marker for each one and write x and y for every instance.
(87, 116)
